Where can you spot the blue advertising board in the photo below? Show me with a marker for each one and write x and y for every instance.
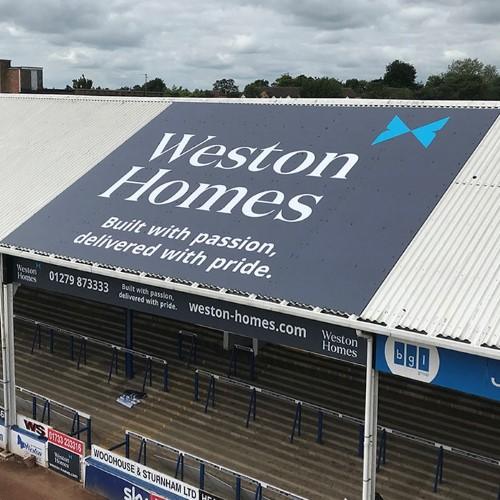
(312, 204)
(463, 372)
(112, 485)
(120, 478)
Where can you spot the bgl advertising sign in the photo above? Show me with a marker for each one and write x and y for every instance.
(305, 203)
(438, 366)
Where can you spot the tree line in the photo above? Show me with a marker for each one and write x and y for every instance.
(464, 79)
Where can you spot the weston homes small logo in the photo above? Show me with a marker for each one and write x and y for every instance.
(425, 134)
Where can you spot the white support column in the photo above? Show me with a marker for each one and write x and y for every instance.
(374, 431)
(7, 327)
(370, 423)
(255, 346)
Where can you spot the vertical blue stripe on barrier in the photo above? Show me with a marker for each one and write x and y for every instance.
(127, 445)
(213, 392)
(202, 476)
(196, 385)
(438, 477)
(179, 468)
(361, 440)
(89, 433)
(297, 421)
(258, 492)
(72, 348)
(51, 333)
(165, 377)
(33, 407)
(319, 436)
(237, 495)
(78, 425)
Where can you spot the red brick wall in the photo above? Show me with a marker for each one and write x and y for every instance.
(12, 81)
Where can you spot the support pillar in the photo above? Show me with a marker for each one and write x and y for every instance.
(225, 341)
(255, 346)
(7, 338)
(370, 427)
(374, 430)
(129, 343)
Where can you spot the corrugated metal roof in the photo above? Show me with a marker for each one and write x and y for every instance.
(48, 143)
(447, 283)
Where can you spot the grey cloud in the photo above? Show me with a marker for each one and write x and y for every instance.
(193, 43)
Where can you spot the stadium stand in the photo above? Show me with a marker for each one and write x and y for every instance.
(262, 450)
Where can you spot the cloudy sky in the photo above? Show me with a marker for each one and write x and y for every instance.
(194, 42)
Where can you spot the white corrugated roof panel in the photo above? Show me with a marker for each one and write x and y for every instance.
(62, 137)
(447, 283)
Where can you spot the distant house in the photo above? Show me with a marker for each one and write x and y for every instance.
(18, 79)
(280, 92)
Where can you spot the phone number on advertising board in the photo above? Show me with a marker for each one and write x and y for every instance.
(79, 281)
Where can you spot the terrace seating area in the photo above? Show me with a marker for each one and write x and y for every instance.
(331, 470)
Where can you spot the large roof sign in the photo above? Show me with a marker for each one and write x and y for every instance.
(304, 203)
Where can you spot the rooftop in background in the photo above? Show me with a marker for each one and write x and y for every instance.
(19, 79)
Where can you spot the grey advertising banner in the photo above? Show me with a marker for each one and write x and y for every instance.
(283, 329)
(313, 204)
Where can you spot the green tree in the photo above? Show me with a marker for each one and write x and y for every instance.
(465, 79)
(155, 85)
(226, 87)
(255, 88)
(400, 74)
(82, 83)
(285, 80)
(358, 86)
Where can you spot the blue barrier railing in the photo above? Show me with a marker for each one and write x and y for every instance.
(252, 406)
(438, 476)
(322, 412)
(319, 433)
(203, 464)
(40, 327)
(211, 392)
(381, 449)
(179, 468)
(297, 421)
(77, 427)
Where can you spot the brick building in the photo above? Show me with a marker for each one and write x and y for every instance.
(15, 80)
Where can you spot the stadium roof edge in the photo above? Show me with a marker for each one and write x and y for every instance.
(357, 102)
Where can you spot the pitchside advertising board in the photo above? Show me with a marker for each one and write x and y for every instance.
(119, 478)
(323, 338)
(24, 443)
(64, 454)
(433, 365)
(313, 204)
(3, 429)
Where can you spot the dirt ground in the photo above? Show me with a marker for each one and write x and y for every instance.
(18, 482)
